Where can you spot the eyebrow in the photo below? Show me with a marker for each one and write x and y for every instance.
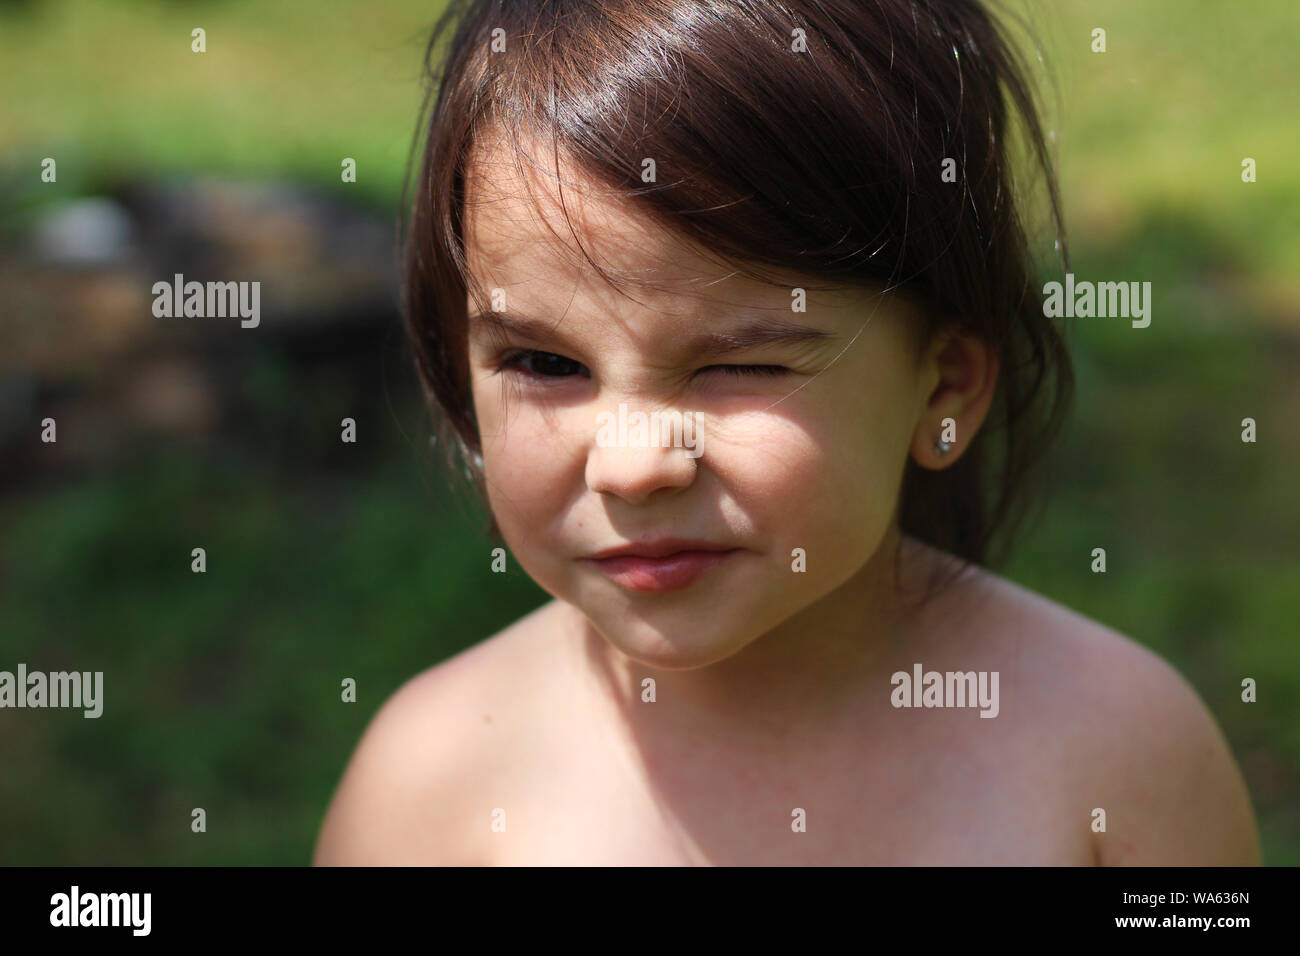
(759, 332)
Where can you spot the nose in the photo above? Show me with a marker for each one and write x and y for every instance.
(635, 473)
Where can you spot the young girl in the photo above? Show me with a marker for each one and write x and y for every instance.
(728, 307)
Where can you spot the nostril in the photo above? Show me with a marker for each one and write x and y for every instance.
(634, 474)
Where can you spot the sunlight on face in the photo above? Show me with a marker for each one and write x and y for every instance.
(801, 428)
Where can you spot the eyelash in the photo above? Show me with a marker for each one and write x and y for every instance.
(514, 362)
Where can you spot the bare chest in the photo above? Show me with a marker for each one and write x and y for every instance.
(941, 794)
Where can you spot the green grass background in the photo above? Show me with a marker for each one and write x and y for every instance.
(222, 689)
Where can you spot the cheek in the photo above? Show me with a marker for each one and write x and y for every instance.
(867, 452)
(521, 458)
(829, 468)
(836, 479)
(818, 472)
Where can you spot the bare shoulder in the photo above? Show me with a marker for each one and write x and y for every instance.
(1136, 740)
(413, 792)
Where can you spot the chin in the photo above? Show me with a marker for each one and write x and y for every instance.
(689, 646)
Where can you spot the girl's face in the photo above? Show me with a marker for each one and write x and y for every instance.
(798, 470)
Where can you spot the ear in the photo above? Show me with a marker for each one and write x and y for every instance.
(963, 371)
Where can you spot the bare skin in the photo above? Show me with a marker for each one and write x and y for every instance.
(545, 722)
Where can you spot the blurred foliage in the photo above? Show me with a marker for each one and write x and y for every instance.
(220, 687)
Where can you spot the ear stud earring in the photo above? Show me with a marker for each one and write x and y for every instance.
(941, 446)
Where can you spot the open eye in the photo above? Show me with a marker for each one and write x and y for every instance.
(541, 364)
(749, 369)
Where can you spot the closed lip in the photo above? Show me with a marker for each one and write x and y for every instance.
(659, 548)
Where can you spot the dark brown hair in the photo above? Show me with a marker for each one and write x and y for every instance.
(826, 162)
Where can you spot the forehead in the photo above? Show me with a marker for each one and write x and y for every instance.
(520, 238)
